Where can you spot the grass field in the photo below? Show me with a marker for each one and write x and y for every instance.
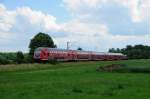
(73, 80)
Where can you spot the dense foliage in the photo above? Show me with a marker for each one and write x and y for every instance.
(20, 57)
(14, 58)
(79, 48)
(134, 52)
(6, 58)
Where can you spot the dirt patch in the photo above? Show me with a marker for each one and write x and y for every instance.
(110, 68)
(121, 68)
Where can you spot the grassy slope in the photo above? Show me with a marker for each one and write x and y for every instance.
(72, 81)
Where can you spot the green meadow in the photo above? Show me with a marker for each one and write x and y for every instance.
(73, 80)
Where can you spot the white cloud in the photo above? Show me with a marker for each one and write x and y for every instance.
(6, 36)
(133, 6)
(6, 18)
(82, 28)
(144, 9)
(21, 24)
(77, 4)
(138, 9)
(48, 22)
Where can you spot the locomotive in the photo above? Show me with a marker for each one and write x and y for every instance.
(45, 54)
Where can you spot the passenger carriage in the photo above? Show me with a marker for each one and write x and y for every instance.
(43, 53)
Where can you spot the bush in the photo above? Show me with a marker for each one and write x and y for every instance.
(54, 61)
(28, 58)
(139, 70)
(7, 58)
(3, 60)
(121, 68)
(76, 90)
(13, 58)
(20, 57)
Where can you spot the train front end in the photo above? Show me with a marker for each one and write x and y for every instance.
(37, 54)
(41, 54)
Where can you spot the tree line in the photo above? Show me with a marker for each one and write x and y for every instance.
(134, 52)
(13, 58)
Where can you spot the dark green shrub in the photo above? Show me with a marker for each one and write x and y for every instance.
(76, 90)
(28, 58)
(3, 60)
(53, 61)
(8, 58)
(20, 57)
(139, 70)
(120, 86)
(120, 68)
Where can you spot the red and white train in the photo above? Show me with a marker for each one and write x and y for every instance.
(43, 53)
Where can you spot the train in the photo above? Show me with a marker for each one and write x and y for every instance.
(46, 54)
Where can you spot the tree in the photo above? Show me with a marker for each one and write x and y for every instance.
(40, 40)
(80, 49)
(112, 50)
(134, 52)
(20, 57)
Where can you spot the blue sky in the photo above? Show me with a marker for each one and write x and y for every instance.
(91, 24)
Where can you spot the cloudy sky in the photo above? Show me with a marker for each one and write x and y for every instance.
(90, 24)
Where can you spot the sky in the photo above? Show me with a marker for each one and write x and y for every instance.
(94, 25)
